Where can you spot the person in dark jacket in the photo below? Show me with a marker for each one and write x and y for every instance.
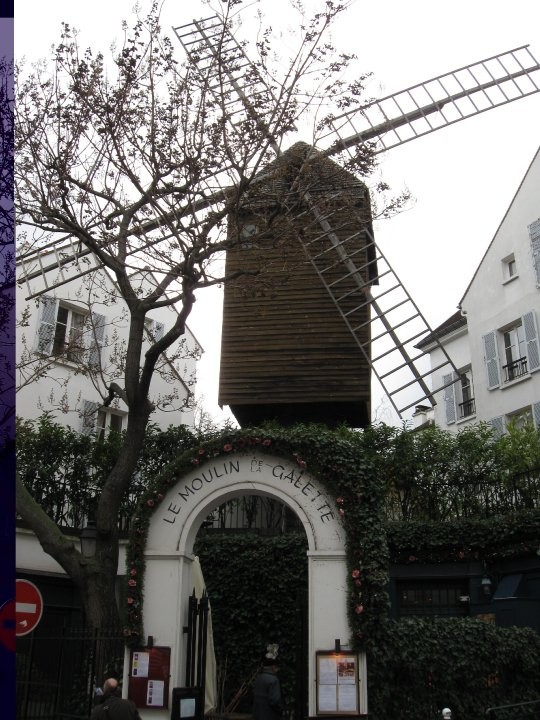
(111, 705)
(267, 701)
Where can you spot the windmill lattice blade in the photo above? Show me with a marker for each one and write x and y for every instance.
(227, 72)
(437, 103)
(396, 323)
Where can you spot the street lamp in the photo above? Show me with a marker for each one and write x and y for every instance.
(88, 539)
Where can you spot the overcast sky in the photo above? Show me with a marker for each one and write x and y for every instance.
(462, 178)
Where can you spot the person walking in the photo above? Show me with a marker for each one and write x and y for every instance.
(267, 700)
(111, 705)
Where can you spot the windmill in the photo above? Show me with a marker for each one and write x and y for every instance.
(379, 317)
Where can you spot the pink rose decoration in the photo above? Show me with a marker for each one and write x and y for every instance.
(340, 500)
(133, 571)
(130, 601)
(267, 442)
(355, 573)
(228, 447)
(132, 583)
(359, 609)
(150, 503)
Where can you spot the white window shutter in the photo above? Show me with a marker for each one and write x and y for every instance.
(159, 330)
(450, 398)
(47, 323)
(534, 234)
(536, 415)
(531, 340)
(89, 417)
(491, 358)
(97, 333)
(498, 426)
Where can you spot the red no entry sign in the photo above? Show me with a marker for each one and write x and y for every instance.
(7, 625)
(28, 607)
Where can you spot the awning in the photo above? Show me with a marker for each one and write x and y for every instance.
(507, 587)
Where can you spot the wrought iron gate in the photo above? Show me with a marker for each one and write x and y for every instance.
(197, 636)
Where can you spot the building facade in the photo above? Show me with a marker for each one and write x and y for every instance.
(71, 341)
(493, 338)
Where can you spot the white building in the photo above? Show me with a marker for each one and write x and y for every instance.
(493, 339)
(70, 345)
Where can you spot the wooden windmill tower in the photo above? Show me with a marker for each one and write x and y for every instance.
(302, 340)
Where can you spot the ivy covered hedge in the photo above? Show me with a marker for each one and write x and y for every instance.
(418, 666)
(257, 587)
(487, 539)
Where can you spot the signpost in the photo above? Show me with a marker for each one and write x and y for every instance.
(28, 607)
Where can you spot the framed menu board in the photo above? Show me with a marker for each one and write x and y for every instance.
(338, 683)
(149, 669)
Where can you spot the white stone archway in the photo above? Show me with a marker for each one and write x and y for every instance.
(173, 529)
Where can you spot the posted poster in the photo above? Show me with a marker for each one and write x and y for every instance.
(337, 684)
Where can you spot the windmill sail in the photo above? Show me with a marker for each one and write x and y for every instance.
(437, 103)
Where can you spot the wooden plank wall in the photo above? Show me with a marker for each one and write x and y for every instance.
(283, 341)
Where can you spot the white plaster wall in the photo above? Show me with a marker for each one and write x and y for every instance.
(30, 556)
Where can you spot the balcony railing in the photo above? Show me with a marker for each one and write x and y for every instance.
(466, 408)
(515, 369)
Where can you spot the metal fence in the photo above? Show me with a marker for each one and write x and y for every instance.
(432, 498)
(518, 711)
(57, 672)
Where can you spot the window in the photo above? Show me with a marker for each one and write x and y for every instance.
(108, 421)
(521, 418)
(515, 352)
(459, 395)
(101, 420)
(446, 597)
(247, 233)
(509, 267)
(466, 405)
(69, 334)
(512, 352)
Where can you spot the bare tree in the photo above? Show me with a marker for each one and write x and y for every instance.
(140, 162)
(7, 247)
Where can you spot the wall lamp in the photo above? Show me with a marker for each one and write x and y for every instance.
(88, 539)
(487, 585)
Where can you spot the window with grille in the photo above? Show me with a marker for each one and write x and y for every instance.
(448, 597)
(515, 352)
